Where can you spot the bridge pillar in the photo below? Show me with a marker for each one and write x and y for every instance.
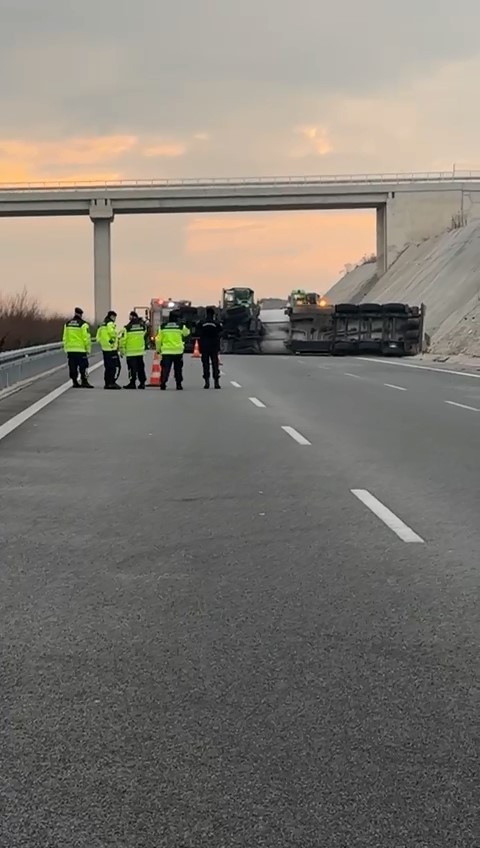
(101, 214)
(382, 250)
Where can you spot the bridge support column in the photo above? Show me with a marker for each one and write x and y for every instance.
(382, 260)
(101, 214)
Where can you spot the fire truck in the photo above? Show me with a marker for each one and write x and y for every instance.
(159, 311)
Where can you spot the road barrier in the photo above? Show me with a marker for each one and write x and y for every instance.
(29, 362)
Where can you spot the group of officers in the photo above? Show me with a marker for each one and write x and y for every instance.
(132, 342)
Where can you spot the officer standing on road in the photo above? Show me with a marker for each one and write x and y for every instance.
(133, 342)
(77, 344)
(169, 342)
(107, 338)
(209, 332)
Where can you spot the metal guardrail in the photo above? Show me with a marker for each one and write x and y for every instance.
(322, 179)
(29, 362)
(28, 352)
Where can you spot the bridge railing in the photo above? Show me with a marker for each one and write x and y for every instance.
(239, 182)
(19, 365)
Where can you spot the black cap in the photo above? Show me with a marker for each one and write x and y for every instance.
(133, 314)
(78, 310)
(112, 312)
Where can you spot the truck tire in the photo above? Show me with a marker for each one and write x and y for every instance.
(413, 335)
(398, 308)
(413, 324)
(369, 307)
(346, 308)
(343, 348)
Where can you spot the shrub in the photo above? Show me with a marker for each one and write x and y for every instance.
(23, 322)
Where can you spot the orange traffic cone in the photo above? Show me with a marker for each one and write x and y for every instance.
(155, 374)
(196, 350)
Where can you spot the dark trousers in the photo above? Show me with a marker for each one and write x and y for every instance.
(169, 359)
(210, 356)
(111, 364)
(136, 370)
(77, 363)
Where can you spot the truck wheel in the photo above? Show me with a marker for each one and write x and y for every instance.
(398, 308)
(369, 307)
(346, 308)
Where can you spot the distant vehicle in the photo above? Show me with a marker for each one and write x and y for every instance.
(240, 316)
(300, 299)
(159, 312)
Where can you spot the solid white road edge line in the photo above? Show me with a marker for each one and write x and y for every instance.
(237, 385)
(391, 386)
(257, 402)
(420, 367)
(387, 516)
(22, 384)
(462, 406)
(296, 435)
(32, 410)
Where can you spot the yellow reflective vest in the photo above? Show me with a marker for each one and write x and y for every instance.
(170, 338)
(133, 340)
(76, 336)
(107, 336)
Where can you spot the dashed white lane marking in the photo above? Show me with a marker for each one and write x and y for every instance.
(347, 374)
(32, 410)
(419, 367)
(296, 435)
(257, 402)
(237, 385)
(388, 517)
(323, 367)
(392, 386)
(462, 406)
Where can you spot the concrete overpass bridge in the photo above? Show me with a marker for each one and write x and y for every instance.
(409, 207)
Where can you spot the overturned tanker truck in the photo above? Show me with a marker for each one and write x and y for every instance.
(309, 324)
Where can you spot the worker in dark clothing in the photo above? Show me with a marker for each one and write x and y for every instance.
(170, 344)
(107, 338)
(133, 342)
(209, 333)
(77, 344)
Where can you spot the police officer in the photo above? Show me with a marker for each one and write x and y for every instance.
(107, 338)
(209, 332)
(77, 344)
(132, 345)
(169, 342)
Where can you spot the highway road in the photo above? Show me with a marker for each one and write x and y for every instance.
(243, 618)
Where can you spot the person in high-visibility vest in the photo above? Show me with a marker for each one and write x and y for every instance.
(133, 342)
(107, 338)
(77, 344)
(170, 343)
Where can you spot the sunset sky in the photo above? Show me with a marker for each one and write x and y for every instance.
(121, 89)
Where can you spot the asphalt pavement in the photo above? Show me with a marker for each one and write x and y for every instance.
(245, 617)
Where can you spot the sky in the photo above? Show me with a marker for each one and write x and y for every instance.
(117, 89)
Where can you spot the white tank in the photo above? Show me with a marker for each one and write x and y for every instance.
(276, 326)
